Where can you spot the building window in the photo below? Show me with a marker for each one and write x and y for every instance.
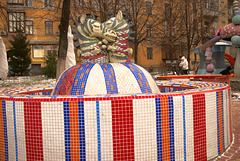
(29, 27)
(215, 26)
(28, 3)
(207, 27)
(38, 51)
(16, 22)
(49, 28)
(214, 5)
(149, 31)
(95, 5)
(51, 48)
(168, 10)
(150, 53)
(149, 8)
(48, 3)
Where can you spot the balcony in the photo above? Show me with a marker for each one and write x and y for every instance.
(15, 6)
(212, 13)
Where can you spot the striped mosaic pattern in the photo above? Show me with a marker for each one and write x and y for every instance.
(94, 79)
(164, 86)
(193, 126)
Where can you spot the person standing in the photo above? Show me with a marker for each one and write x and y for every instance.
(184, 65)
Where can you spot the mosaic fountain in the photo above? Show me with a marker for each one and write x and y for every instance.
(110, 109)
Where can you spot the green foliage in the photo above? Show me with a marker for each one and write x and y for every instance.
(19, 55)
(51, 64)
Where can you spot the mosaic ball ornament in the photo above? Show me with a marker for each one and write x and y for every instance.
(98, 79)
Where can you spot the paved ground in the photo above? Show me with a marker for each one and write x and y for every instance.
(233, 152)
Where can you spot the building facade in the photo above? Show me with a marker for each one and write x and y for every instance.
(39, 21)
(163, 41)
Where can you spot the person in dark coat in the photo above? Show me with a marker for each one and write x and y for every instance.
(226, 71)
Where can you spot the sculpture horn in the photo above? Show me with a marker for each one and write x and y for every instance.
(235, 7)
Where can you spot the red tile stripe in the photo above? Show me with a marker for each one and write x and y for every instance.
(2, 143)
(74, 130)
(165, 129)
(199, 127)
(33, 131)
(122, 129)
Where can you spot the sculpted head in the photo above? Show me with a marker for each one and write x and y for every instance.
(117, 23)
(93, 28)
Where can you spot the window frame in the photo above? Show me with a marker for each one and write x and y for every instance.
(27, 3)
(29, 27)
(38, 56)
(15, 1)
(48, 3)
(16, 21)
(149, 31)
(149, 53)
(148, 6)
(48, 28)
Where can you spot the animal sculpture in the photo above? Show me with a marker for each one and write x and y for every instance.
(89, 32)
(122, 29)
(104, 42)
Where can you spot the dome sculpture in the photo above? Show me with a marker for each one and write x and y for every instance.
(104, 78)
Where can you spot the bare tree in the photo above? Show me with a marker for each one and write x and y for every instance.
(169, 33)
(146, 17)
(197, 18)
(3, 15)
(63, 42)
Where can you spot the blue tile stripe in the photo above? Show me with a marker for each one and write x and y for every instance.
(223, 120)
(98, 130)
(15, 130)
(140, 77)
(159, 128)
(82, 141)
(110, 78)
(67, 131)
(83, 72)
(184, 128)
(5, 129)
(171, 128)
(218, 136)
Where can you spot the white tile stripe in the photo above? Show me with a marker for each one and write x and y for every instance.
(226, 116)
(20, 124)
(96, 76)
(189, 127)
(53, 131)
(121, 73)
(90, 118)
(211, 125)
(178, 128)
(145, 141)
(10, 131)
(105, 130)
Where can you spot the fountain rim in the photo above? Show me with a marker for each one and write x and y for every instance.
(196, 88)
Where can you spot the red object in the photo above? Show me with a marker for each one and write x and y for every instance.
(230, 60)
(33, 131)
(195, 76)
(122, 129)
(199, 127)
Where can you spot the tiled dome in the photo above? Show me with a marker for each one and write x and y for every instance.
(115, 78)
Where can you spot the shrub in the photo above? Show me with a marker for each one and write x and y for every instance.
(19, 55)
(51, 64)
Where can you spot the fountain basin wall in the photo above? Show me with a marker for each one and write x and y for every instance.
(193, 124)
